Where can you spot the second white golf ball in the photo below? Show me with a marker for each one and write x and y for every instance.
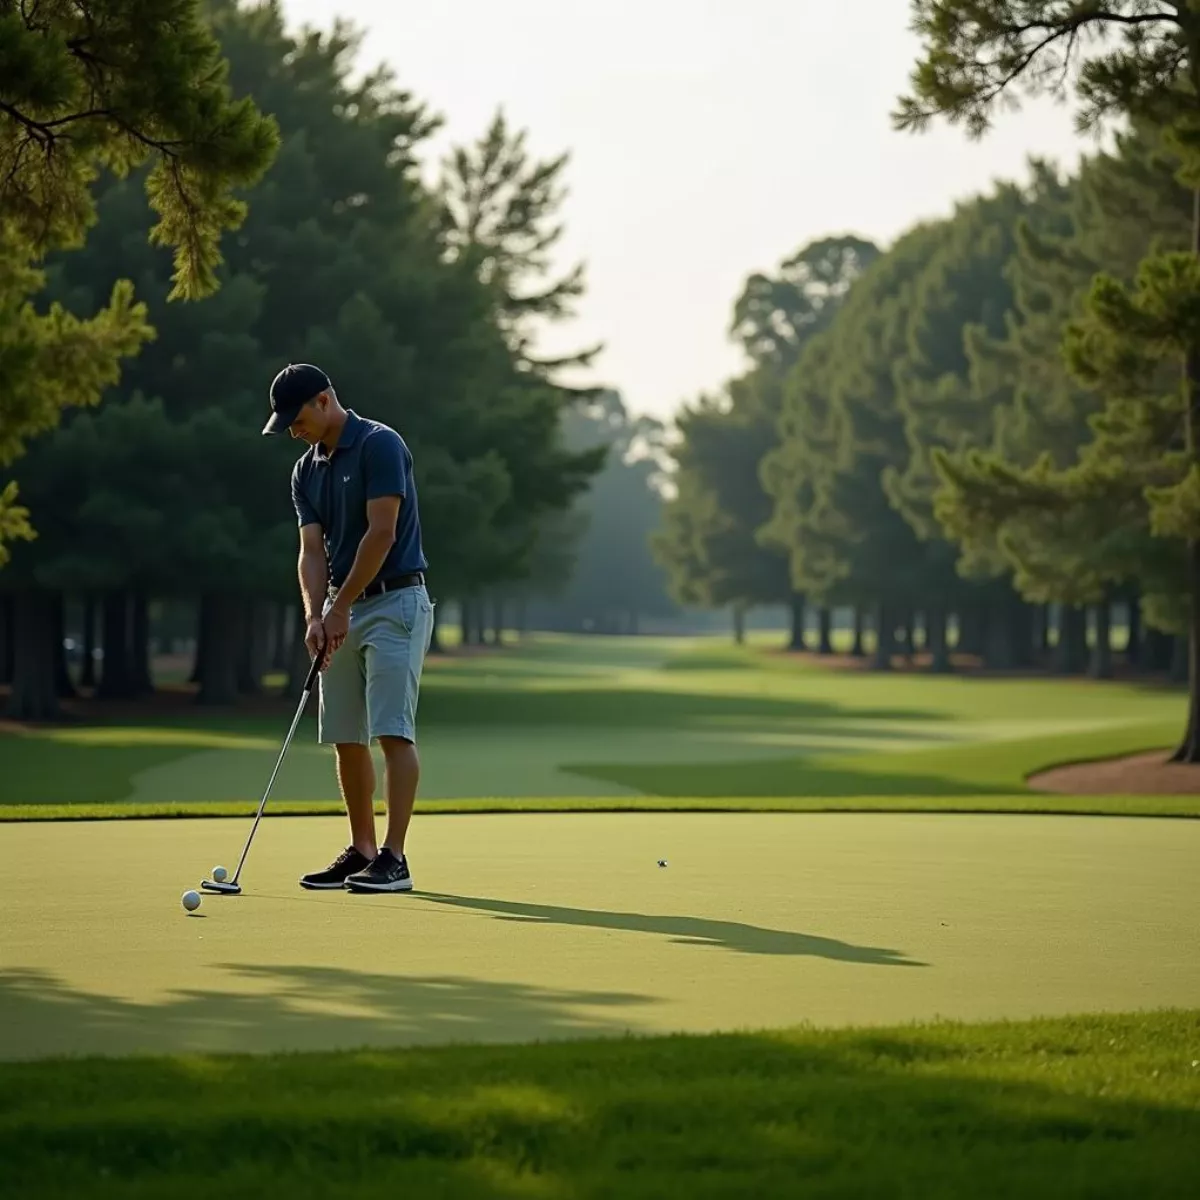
(190, 900)
(219, 874)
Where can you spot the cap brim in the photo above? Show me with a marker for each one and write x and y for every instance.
(279, 423)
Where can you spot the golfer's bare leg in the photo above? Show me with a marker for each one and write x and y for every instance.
(402, 776)
(356, 778)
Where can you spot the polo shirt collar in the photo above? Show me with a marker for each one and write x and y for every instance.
(351, 432)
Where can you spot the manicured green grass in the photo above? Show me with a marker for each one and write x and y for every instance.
(977, 769)
(1083, 1107)
(564, 723)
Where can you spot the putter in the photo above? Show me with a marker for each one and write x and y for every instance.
(232, 887)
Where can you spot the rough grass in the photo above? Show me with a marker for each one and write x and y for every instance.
(1102, 1106)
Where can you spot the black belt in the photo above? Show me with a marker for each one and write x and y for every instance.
(412, 579)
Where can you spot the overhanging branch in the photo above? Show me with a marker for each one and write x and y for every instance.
(1069, 28)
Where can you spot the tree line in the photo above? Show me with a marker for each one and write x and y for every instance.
(302, 230)
(996, 417)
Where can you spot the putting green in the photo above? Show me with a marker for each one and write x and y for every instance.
(549, 926)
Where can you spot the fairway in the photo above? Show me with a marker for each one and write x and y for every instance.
(537, 927)
(578, 722)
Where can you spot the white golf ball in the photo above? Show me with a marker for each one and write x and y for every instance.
(191, 900)
(219, 874)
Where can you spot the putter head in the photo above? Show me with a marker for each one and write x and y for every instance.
(227, 889)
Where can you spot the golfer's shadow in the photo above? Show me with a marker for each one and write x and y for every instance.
(686, 931)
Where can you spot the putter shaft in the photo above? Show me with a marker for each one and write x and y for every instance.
(310, 680)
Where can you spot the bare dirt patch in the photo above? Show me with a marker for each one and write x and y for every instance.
(1146, 774)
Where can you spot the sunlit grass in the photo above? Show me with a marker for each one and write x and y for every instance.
(1073, 1107)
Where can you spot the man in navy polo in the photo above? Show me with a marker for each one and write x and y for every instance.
(367, 611)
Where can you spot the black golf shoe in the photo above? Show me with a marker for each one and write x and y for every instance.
(334, 875)
(388, 873)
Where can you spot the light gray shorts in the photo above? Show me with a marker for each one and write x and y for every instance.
(369, 688)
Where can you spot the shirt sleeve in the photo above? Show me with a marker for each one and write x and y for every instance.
(387, 464)
(305, 513)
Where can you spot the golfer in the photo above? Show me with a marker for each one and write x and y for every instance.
(367, 611)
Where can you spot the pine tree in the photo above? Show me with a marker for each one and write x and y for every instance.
(729, 549)
(1132, 61)
(104, 86)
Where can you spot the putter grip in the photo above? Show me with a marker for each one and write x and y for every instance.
(313, 671)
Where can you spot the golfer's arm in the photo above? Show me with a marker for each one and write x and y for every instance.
(372, 550)
(313, 569)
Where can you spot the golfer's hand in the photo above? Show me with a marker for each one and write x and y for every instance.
(314, 638)
(337, 625)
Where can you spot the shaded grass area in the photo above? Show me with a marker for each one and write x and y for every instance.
(744, 703)
(89, 776)
(975, 769)
(1090, 1106)
(94, 765)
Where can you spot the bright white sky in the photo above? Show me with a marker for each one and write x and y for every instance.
(708, 139)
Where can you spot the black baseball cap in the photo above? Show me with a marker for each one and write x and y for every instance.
(291, 390)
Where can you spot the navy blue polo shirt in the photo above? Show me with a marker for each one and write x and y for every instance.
(332, 490)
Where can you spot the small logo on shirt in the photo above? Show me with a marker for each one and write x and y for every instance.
(345, 478)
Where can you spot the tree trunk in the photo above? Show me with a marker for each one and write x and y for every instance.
(299, 660)
(1188, 750)
(739, 623)
(8, 641)
(254, 650)
(999, 654)
(202, 623)
(472, 622)
(825, 630)
(435, 640)
(1010, 635)
(87, 670)
(796, 639)
(856, 649)
(498, 622)
(219, 666)
(1040, 619)
(936, 641)
(1101, 664)
(972, 627)
(62, 674)
(1177, 667)
(280, 618)
(34, 696)
(885, 637)
(140, 680)
(1071, 653)
(115, 678)
(1156, 650)
(1133, 624)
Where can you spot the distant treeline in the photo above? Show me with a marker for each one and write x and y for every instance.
(937, 436)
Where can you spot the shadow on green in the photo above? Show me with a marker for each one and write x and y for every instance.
(686, 931)
(289, 1014)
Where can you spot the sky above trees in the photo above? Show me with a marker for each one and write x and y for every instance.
(707, 141)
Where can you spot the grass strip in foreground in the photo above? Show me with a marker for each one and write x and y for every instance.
(1087, 1106)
